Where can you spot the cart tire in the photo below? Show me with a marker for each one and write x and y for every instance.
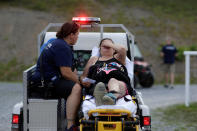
(87, 129)
(147, 80)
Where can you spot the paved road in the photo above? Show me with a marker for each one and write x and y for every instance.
(10, 94)
(157, 96)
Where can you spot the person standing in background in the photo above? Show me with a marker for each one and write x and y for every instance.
(169, 52)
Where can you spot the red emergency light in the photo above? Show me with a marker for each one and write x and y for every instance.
(86, 20)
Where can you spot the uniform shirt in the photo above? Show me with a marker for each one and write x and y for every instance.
(56, 54)
(169, 52)
(45, 44)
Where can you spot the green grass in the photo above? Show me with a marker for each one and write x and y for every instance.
(180, 9)
(62, 7)
(12, 71)
(179, 117)
(181, 114)
(180, 54)
(176, 17)
(181, 49)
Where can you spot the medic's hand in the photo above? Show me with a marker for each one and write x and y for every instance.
(86, 84)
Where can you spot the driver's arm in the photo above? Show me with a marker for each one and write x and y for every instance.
(68, 74)
(90, 62)
(161, 54)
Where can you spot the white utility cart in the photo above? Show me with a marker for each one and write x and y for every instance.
(33, 114)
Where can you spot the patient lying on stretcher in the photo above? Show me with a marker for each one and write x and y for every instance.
(112, 85)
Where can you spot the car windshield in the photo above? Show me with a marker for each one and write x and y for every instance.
(137, 52)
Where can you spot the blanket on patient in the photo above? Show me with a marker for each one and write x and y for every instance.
(89, 104)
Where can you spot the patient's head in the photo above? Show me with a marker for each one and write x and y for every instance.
(105, 49)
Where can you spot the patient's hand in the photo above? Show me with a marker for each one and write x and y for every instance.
(107, 44)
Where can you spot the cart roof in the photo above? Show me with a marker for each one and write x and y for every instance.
(88, 40)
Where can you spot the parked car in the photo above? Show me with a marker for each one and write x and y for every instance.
(142, 70)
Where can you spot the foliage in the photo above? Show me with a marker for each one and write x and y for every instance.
(180, 54)
(178, 12)
(182, 114)
(12, 71)
(173, 8)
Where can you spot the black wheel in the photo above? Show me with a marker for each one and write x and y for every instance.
(88, 129)
(147, 80)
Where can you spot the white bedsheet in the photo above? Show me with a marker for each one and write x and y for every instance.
(89, 104)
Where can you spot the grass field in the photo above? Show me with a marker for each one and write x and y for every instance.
(12, 71)
(178, 9)
(177, 18)
(177, 118)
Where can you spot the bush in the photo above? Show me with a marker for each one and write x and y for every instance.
(12, 71)
(193, 47)
(180, 55)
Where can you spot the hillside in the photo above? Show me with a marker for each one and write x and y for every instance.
(151, 22)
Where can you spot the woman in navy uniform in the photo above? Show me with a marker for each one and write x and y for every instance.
(56, 63)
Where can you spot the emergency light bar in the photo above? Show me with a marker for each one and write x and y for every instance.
(85, 20)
